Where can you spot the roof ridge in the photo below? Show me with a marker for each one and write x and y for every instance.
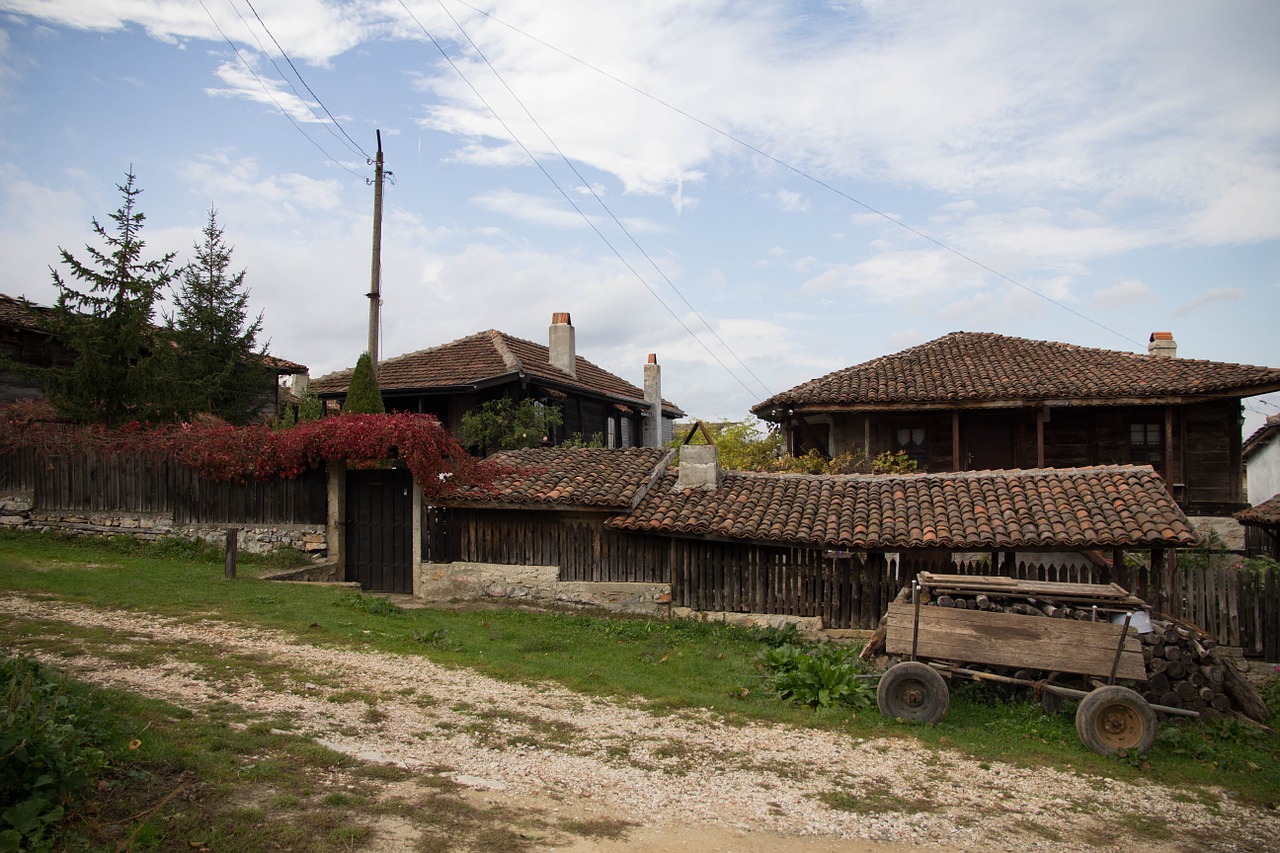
(986, 473)
(509, 358)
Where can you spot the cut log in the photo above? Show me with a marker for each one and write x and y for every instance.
(1212, 674)
(1159, 682)
(1157, 665)
(1175, 669)
(1243, 695)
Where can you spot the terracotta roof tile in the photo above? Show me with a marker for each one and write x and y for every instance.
(1265, 514)
(984, 367)
(572, 477)
(1106, 506)
(484, 357)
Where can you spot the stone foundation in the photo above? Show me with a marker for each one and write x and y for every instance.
(536, 585)
(16, 514)
(808, 627)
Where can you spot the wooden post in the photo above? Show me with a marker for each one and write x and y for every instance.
(956, 463)
(375, 296)
(1040, 418)
(233, 537)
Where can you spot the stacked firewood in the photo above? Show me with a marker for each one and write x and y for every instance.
(1186, 670)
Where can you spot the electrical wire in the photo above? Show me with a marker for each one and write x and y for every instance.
(328, 125)
(515, 138)
(267, 90)
(304, 84)
(803, 174)
(601, 202)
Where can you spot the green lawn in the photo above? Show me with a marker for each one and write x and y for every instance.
(669, 665)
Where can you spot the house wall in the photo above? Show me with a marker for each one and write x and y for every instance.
(1205, 478)
(1264, 471)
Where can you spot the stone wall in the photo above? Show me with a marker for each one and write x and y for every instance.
(16, 513)
(536, 585)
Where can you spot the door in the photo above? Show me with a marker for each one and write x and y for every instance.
(379, 529)
(988, 441)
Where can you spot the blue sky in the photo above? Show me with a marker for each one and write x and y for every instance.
(1114, 169)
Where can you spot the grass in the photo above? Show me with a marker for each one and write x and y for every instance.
(669, 666)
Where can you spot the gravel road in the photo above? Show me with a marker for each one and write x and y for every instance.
(687, 780)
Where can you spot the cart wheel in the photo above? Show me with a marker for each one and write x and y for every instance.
(912, 690)
(1113, 718)
(1051, 703)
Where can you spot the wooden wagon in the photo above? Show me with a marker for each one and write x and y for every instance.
(1054, 656)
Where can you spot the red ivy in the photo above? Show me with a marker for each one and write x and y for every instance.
(222, 452)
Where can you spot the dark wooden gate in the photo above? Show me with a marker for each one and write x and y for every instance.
(379, 534)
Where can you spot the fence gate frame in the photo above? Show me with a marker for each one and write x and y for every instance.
(381, 542)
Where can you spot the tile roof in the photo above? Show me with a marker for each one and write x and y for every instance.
(569, 477)
(18, 312)
(1265, 514)
(1259, 438)
(1108, 506)
(483, 358)
(985, 367)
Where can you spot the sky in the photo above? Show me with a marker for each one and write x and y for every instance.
(757, 192)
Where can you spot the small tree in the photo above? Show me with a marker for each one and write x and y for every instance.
(505, 425)
(310, 408)
(107, 325)
(363, 395)
(217, 364)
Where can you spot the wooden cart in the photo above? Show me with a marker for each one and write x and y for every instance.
(1041, 652)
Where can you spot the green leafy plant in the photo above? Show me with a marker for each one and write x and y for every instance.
(504, 424)
(50, 753)
(371, 604)
(820, 677)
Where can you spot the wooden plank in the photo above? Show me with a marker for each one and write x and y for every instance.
(1012, 586)
(1005, 639)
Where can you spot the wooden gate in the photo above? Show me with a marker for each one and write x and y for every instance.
(379, 534)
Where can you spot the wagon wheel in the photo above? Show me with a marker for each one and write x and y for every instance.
(913, 691)
(1051, 702)
(1115, 718)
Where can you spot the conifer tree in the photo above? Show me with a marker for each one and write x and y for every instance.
(218, 366)
(106, 322)
(363, 395)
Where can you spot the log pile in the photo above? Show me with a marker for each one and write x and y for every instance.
(1184, 667)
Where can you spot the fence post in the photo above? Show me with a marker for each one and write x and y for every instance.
(233, 537)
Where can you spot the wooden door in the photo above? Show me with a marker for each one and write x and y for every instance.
(988, 441)
(379, 529)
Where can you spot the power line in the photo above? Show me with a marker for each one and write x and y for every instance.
(304, 83)
(328, 125)
(803, 174)
(567, 198)
(605, 206)
(267, 90)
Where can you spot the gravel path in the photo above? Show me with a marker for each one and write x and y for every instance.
(658, 770)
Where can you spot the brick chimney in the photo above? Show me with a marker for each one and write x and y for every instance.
(1162, 344)
(699, 467)
(653, 397)
(563, 350)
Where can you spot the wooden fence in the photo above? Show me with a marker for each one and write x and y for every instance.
(1236, 607)
(138, 483)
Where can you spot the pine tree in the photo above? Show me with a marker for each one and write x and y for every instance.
(107, 325)
(363, 395)
(218, 366)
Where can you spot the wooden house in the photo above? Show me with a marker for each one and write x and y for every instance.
(24, 341)
(450, 380)
(982, 401)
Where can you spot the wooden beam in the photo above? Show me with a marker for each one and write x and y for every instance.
(1040, 437)
(957, 464)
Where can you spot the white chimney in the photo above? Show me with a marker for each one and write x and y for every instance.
(1162, 344)
(653, 397)
(299, 383)
(563, 350)
(699, 467)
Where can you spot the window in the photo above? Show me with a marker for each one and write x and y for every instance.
(912, 441)
(1146, 444)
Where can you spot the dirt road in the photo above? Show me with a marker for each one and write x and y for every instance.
(684, 782)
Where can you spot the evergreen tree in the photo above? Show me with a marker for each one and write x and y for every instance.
(363, 395)
(218, 366)
(106, 322)
(310, 409)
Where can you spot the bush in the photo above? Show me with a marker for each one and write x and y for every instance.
(51, 753)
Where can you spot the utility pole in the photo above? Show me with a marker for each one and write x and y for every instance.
(375, 297)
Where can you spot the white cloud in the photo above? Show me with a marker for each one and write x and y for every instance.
(247, 81)
(792, 202)
(1209, 298)
(1131, 291)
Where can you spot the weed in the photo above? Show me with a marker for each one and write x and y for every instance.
(374, 605)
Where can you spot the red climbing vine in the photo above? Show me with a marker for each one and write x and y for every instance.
(221, 452)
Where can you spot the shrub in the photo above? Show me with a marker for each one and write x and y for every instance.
(50, 753)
